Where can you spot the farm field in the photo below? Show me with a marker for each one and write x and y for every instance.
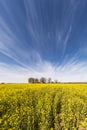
(43, 107)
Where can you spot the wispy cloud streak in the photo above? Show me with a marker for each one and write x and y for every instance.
(69, 72)
(38, 36)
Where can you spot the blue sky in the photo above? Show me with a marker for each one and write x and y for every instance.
(43, 38)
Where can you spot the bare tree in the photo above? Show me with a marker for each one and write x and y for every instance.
(49, 80)
(43, 80)
(56, 81)
(31, 80)
(36, 80)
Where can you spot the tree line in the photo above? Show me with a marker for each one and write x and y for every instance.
(41, 80)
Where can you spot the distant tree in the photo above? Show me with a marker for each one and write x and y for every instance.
(56, 81)
(42, 80)
(2, 83)
(36, 80)
(31, 80)
(52, 82)
(49, 80)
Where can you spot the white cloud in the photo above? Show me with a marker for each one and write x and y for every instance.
(67, 38)
(68, 72)
(10, 45)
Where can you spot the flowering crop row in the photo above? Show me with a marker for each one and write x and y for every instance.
(43, 107)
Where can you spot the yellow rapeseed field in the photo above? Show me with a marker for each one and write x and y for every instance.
(43, 107)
